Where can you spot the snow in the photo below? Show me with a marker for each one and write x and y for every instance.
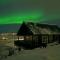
(52, 52)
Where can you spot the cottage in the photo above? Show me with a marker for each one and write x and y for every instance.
(38, 33)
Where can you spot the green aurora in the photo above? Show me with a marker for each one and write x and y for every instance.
(28, 10)
(31, 16)
(19, 18)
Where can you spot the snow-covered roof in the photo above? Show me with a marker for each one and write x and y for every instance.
(37, 28)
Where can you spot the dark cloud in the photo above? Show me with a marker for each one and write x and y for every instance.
(51, 8)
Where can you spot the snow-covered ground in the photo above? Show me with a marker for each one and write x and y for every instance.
(52, 52)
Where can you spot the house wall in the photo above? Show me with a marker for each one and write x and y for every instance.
(35, 40)
(50, 38)
(53, 38)
(59, 39)
(56, 37)
(9, 38)
(28, 37)
(44, 38)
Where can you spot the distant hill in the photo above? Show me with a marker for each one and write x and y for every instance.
(9, 27)
(12, 27)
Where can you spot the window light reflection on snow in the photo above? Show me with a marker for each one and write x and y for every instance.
(20, 39)
(4, 38)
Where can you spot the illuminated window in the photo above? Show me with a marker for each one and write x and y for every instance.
(21, 38)
(28, 37)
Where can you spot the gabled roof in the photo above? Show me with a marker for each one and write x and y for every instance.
(36, 28)
(24, 30)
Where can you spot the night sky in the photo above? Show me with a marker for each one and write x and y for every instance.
(17, 11)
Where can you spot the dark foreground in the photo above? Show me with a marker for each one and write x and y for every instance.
(52, 52)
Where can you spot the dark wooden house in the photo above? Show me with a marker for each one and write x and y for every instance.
(39, 33)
